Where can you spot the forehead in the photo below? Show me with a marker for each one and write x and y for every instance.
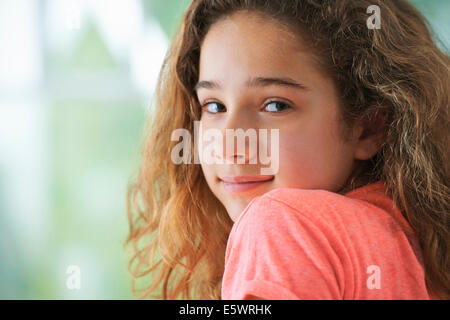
(251, 43)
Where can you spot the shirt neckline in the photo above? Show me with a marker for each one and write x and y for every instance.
(375, 186)
(375, 194)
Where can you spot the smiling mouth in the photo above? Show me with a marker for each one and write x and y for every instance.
(244, 183)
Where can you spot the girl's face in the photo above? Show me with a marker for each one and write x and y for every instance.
(312, 154)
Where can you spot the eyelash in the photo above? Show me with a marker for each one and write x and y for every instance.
(265, 106)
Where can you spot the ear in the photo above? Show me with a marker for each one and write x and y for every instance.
(369, 137)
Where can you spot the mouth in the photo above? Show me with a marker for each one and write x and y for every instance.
(237, 184)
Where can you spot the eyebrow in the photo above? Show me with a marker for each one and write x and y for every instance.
(255, 82)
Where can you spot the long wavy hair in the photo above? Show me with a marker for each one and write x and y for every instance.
(178, 230)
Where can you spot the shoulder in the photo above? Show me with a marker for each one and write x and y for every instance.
(303, 239)
(278, 241)
(319, 218)
(291, 205)
(311, 219)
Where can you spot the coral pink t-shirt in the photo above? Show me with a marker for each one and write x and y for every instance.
(315, 244)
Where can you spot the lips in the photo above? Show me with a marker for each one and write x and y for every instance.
(245, 179)
(239, 184)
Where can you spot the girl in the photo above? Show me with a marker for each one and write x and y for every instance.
(359, 208)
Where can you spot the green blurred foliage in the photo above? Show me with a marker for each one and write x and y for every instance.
(168, 13)
(95, 146)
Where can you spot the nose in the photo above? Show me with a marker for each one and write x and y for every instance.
(238, 158)
(240, 144)
(236, 153)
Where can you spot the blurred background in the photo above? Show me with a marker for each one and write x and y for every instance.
(77, 78)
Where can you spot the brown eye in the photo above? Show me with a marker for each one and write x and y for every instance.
(214, 107)
(276, 106)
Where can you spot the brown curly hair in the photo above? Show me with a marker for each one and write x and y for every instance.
(179, 230)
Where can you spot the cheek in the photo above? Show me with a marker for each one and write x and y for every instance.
(311, 158)
(209, 173)
(298, 156)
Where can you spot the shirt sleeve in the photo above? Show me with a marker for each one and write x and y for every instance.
(276, 252)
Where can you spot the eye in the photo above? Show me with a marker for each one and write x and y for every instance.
(276, 106)
(214, 107)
